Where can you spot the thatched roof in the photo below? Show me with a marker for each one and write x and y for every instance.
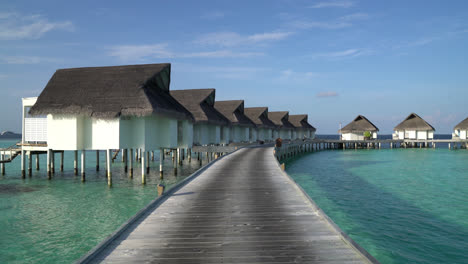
(234, 111)
(280, 119)
(462, 125)
(259, 115)
(359, 124)
(108, 92)
(300, 121)
(414, 122)
(200, 103)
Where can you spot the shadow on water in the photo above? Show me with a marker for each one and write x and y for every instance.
(15, 189)
(390, 228)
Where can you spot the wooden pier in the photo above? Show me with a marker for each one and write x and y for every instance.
(240, 209)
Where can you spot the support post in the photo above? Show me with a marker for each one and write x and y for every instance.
(49, 158)
(61, 159)
(75, 164)
(147, 162)
(109, 167)
(175, 161)
(189, 153)
(83, 165)
(97, 160)
(449, 146)
(23, 172)
(2, 165)
(52, 165)
(143, 169)
(125, 155)
(152, 155)
(30, 164)
(161, 155)
(179, 158)
(131, 163)
(37, 161)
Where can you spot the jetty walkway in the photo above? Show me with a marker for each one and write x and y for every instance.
(242, 209)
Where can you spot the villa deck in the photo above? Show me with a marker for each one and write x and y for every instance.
(241, 209)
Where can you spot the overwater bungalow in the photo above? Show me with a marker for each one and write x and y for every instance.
(460, 130)
(107, 108)
(284, 127)
(208, 121)
(303, 129)
(265, 127)
(414, 127)
(357, 128)
(241, 126)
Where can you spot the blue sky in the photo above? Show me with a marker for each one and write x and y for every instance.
(330, 59)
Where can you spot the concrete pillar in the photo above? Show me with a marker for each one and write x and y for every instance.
(125, 157)
(189, 153)
(449, 146)
(75, 164)
(37, 161)
(179, 156)
(143, 169)
(109, 166)
(30, 164)
(52, 161)
(83, 165)
(152, 155)
(2, 165)
(61, 160)
(200, 158)
(49, 158)
(161, 154)
(23, 172)
(131, 163)
(147, 162)
(380, 145)
(97, 160)
(175, 161)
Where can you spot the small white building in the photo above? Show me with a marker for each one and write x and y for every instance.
(241, 125)
(461, 130)
(414, 127)
(285, 129)
(303, 130)
(265, 127)
(357, 128)
(210, 126)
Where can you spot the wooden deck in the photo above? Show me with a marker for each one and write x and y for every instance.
(242, 209)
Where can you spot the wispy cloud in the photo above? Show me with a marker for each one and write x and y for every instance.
(14, 26)
(142, 52)
(26, 60)
(230, 39)
(3, 76)
(301, 24)
(355, 16)
(213, 15)
(335, 4)
(297, 76)
(349, 53)
(327, 94)
(416, 43)
(223, 72)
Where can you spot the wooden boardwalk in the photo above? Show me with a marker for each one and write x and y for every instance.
(242, 209)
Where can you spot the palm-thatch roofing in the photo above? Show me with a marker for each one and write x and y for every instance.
(259, 115)
(109, 92)
(462, 125)
(414, 122)
(200, 103)
(358, 125)
(233, 110)
(280, 119)
(301, 121)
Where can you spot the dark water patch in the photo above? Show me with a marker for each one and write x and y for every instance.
(16, 189)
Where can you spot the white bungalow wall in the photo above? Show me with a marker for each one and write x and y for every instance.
(415, 134)
(352, 136)
(205, 134)
(225, 135)
(285, 134)
(252, 134)
(461, 134)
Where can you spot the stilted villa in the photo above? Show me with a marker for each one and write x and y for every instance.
(241, 126)
(284, 128)
(460, 130)
(414, 127)
(106, 108)
(356, 129)
(265, 127)
(208, 121)
(303, 130)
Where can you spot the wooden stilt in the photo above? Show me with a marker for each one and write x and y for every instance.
(189, 153)
(143, 169)
(175, 161)
(179, 155)
(2, 165)
(131, 163)
(75, 164)
(30, 164)
(61, 160)
(152, 155)
(109, 167)
(161, 155)
(83, 165)
(23, 172)
(97, 160)
(37, 161)
(49, 159)
(125, 155)
(147, 162)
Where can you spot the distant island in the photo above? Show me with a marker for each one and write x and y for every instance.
(9, 134)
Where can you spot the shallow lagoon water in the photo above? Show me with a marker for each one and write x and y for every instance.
(401, 205)
(59, 220)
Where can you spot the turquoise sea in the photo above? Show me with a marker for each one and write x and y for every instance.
(59, 220)
(401, 205)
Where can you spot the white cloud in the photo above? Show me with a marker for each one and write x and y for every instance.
(336, 3)
(230, 39)
(321, 25)
(14, 26)
(3, 76)
(26, 60)
(327, 94)
(141, 52)
(223, 72)
(349, 53)
(355, 16)
(213, 15)
(297, 76)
